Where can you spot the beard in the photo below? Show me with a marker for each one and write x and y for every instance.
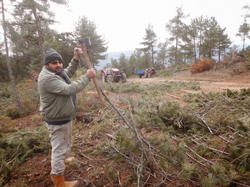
(57, 69)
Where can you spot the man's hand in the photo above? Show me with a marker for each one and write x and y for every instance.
(91, 73)
(76, 56)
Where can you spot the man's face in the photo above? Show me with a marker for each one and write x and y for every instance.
(55, 65)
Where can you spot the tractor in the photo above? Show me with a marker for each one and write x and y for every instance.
(148, 72)
(113, 75)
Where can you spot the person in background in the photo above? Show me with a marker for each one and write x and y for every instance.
(58, 106)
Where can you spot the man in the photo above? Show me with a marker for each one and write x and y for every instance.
(58, 106)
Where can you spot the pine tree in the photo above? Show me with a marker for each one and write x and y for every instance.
(201, 24)
(114, 63)
(189, 38)
(174, 27)
(171, 55)
(137, 54)
(146, 60)
(28, 30)
(243, 32)
(132, 64)
(149, 41)
(35, 17)
(86, 28)
(123, 63)
(210, 42)
(223, 42)
(162, 55)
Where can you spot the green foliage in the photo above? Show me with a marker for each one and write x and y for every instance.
(175, 68)
(222, 112)
(208, 181)
(154, 140)
(149, 43)
(5, 92)
(111, 170)
(16, 147)
(188, 170)
(171, 154)
(174, 27)
(167, 86)
(218, 174)
(12, 112)
(29, 97)
(86, 28)
(126, 144)
(4, 76)
(73, 165)
(88, 150)
(203, 151)
(28, 34)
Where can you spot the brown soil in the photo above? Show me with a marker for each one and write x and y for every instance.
(91, 170)
(209, 81)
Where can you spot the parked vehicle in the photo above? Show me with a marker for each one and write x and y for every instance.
(148, 72)
(113, 75)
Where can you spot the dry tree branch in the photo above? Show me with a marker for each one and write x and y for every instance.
(224, 139)
(134, 164)
(139, 170)
(195, 160)
(246, 112)
(206, 124)
(161, 181)
(234, 182)
(240, 157)
(85, 180)
(123, 118)
(212, 149)
(198, 154)
(198, 116)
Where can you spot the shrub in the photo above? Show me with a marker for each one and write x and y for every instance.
(13, 112)
(201, 65)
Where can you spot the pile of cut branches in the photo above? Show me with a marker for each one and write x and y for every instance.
(206, 143)
(17, 146)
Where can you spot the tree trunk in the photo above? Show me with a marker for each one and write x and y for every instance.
(40, 36)
(219, 52)
(200, 46)
(194, 51)
(8, 62)
(244, 42)
(152, 51)
(176, 48)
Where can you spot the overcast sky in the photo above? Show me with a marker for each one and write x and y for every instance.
(123, 23)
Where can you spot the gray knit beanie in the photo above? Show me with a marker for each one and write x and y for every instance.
(51, 55)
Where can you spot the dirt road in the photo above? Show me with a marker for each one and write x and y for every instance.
(209, 81)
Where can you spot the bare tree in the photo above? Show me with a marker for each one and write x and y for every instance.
(8, 60)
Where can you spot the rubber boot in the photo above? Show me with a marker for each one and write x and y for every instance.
(68, 160)
(59, 181)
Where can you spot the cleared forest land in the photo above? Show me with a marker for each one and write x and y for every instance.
(182, 130)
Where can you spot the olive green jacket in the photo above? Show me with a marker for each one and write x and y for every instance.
(56, 96)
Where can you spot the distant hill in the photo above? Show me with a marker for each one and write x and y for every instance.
(114, 55)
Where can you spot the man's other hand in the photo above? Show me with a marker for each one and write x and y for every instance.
(76, 56)
(91, 73)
